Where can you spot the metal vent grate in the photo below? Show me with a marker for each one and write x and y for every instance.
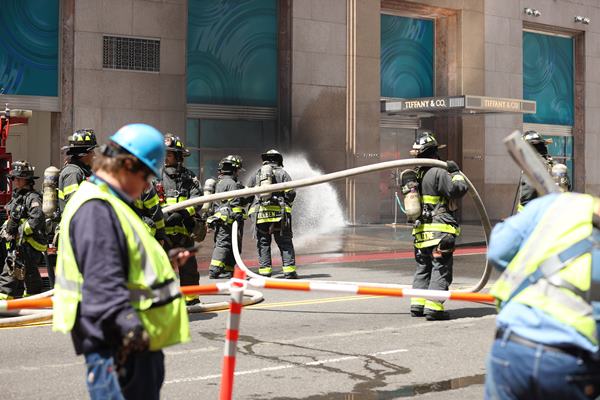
(131, 54)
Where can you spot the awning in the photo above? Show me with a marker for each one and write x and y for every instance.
(464, 104)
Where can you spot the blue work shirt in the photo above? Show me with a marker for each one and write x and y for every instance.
(507, 239)
(105, 313)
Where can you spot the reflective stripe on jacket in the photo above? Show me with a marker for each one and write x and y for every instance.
(567, 221)
(153, 285)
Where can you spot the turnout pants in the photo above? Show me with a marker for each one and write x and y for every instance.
(222, 259)
(433, 273)
(31, 259)
(188, 272)
(284, 242)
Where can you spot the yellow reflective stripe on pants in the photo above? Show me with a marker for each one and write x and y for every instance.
(288, 268)
(417, 301)
(217, 263)
(434, 305)
(265, 270)
(174, 230)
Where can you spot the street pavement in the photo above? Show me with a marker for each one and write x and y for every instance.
(303, 345)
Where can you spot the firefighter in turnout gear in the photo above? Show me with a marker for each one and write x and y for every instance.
(548, 325)
(224, 213)
(116, 289)
(80, 156)
(436, 229)
(272, 214)
(24, 235)
(177, 184)
(526, 190)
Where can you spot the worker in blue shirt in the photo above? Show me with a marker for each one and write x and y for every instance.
(546, 343)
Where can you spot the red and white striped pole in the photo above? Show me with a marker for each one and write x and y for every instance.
(238, 284)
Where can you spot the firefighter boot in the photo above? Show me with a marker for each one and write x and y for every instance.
(417, 307)
(434, 311)
(291, 275)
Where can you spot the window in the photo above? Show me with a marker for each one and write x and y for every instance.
(29, 47)
(232, 52)
(548, 78)
(406, 57)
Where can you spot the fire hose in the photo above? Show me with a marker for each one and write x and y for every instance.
(485, 221)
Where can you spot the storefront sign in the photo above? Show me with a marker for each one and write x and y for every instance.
(463, 104)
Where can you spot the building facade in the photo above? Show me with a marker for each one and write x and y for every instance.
(309, 77)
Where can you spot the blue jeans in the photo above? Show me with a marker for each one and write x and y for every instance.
(102, 380)
(141, 376)
(516, 371)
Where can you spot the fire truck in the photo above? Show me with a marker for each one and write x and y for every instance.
(8, 118)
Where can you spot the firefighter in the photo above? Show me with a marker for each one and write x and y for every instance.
(548, 327)
(78, 167)
(24, 234)
(527, 192)
(148, 208)
(80, 155)
(225, 212)
(435, 231)
(177, 183)
(272, 214)
(116, 291)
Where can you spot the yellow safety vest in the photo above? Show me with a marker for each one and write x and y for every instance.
(567, 221)
(152, 283)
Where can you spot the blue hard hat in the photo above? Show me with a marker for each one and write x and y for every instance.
(143, 141)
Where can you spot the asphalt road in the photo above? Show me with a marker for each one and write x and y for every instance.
(296, 345)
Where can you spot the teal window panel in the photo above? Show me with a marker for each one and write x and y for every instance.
(235, 134)
(192, 139)
(29, 47)
(407, 57)
(548, 78)
(232, 52)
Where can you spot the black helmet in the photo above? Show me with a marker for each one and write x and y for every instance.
(175, 144)
(273, 156)
(81, 141)
(22, 169)
(230, 163)
(537, 141)
(425, 142)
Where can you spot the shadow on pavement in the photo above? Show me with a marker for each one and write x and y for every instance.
(472, 312)
(201, 316)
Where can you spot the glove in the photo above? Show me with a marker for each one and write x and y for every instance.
(289, 197)
(12, 227)
(452, 166)
(136, 340)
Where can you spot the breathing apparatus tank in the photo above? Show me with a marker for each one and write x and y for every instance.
(266, 177)
(561, 177)
(410, 193)
(209, 188)
(50, 191)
